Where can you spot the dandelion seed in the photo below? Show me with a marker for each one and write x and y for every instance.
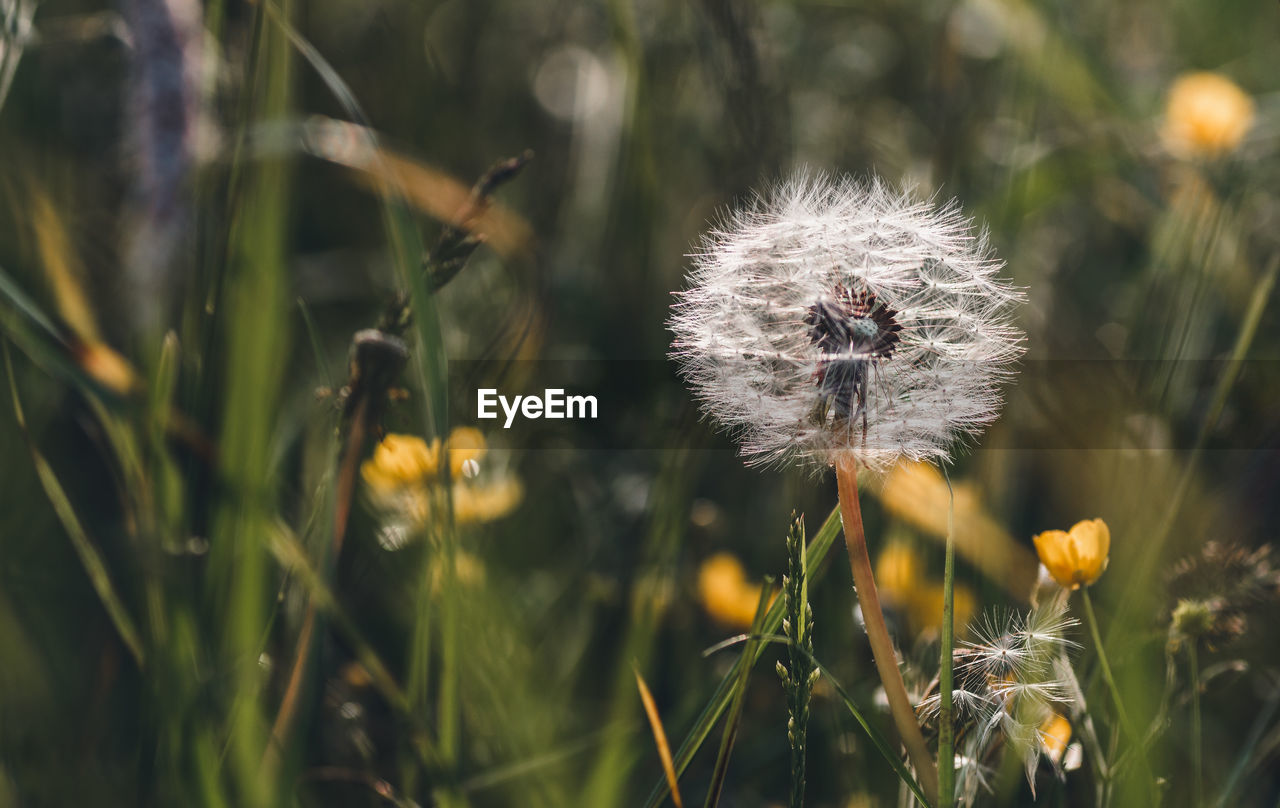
(1008, 692)
(835, 317)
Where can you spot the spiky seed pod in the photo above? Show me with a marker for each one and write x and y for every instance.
(1212, 593)
(834, 316)
(1006, 686)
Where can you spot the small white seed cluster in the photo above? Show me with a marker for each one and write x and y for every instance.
(745, 344)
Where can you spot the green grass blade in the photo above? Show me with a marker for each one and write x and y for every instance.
(735, 708)
(92, 561)
(723, 695)
(877, 739)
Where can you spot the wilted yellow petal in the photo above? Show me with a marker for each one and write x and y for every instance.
(898, 573)
(725, 593)
(107, 367)
(925, 607)
(473, 504)
(1055, 734)
(917, 494)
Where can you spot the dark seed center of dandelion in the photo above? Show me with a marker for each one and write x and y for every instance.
(859, 331)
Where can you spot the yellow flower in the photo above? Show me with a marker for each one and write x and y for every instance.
(478, 503)
(725, 593)
(898, 573)
(1055, 734)
(405, 481)
(467, 447)
(400, 460)
(917, 494)
(1077, 557)
(925, 607)
(1207, 115)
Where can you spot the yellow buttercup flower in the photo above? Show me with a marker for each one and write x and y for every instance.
(467, 447)
(1207, 115)
(726, 594)
(1077, 557)
(405, 482)
(1055, 734)
(474, 504)
(898, 573)
(400, 460)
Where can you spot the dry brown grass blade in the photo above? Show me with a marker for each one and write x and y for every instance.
(66, 273)
(425, 187)
(444, 198)
(659, 739)
(62, 266)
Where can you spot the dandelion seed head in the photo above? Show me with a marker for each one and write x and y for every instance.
(1009, 684)
(834, 316)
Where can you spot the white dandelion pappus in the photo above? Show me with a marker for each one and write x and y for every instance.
(836, 316)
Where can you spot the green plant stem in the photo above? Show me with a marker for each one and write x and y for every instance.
(946, 721)
(798, 675)
(1110, 680)
(1221, 392)
(1197, 749)
(904, 715)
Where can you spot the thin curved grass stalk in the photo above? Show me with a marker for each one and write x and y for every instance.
(946, 717)
(659, 738)
(1125, 724)
(605, 783)
(90, 558)
(1249, 749)
(878, 740)
(1221, 391)
(291, 555)
(1197, 750)
(735, 710)
(815, 559)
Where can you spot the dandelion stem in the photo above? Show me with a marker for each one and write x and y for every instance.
(904, 716)
(1197, 749)
(946, 721)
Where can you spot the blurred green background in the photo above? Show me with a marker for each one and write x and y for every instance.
(176, 169)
